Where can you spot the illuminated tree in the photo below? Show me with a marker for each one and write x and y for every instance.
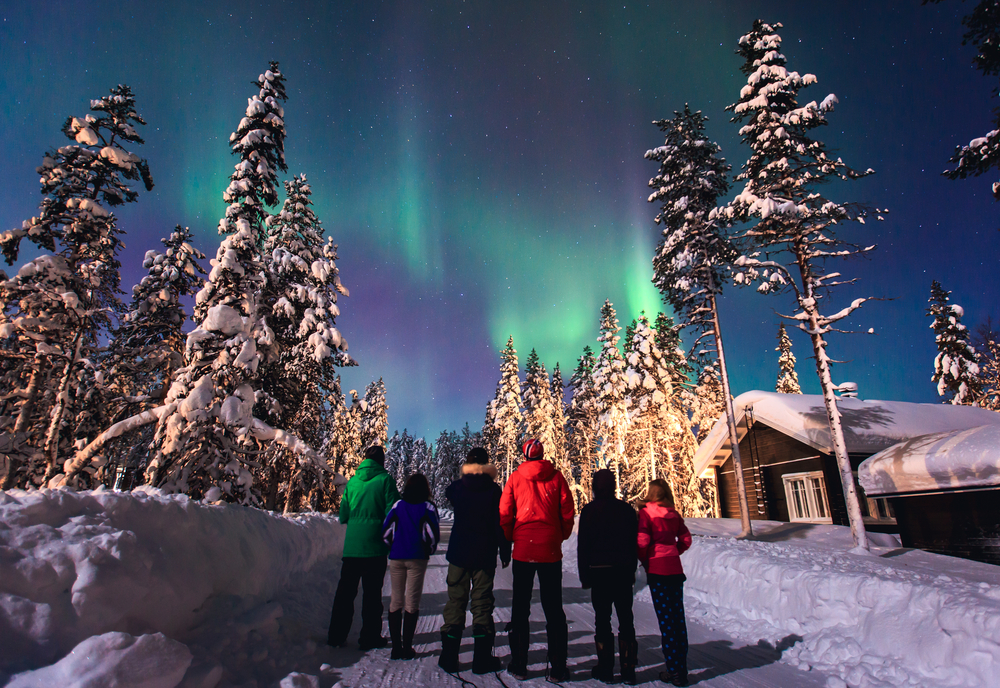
(582, 422)
(611, 395)
(504, 415)
(539, 410)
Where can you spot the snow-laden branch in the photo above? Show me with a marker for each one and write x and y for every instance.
(84, 456)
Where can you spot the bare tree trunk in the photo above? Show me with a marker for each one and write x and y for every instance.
(31, 395)
(854, 515)
(54, 432)
(746, 530)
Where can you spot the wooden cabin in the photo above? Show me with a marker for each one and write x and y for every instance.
(944, 489)
(789, 468)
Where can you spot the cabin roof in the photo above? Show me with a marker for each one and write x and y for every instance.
(957, 459)
(869, 425)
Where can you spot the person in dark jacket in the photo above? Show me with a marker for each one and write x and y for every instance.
(536, 514)
(476, 539)
(607, 562)
(412, 532)
(369, 495)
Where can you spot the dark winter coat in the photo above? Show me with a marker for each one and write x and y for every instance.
(606, 537)
(476, 536)
(411, 530)
(536, 512)
(366, 501)
(663, 538)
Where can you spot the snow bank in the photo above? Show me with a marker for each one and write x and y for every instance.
(896, 618)
(125, 567)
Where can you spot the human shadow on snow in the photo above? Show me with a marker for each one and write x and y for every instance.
(716, 657)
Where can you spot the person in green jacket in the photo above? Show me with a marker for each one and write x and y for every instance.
(366, 502)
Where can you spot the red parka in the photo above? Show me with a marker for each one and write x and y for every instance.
(536, 512)
(663, 537)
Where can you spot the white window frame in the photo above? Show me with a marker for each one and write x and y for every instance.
(873, 514)
(815, 502)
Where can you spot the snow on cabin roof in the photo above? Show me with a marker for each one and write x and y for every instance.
(869, 425)
(959, 459)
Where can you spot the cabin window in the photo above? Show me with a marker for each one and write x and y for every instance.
(806, 496)
(875, 510)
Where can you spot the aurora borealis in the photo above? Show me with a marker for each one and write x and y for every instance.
(481, 164)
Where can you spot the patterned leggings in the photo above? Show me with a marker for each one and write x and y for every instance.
(668, 601)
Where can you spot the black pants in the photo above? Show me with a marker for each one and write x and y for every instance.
(668, 601)
(370, 572)
(549, 588)
(609, 587)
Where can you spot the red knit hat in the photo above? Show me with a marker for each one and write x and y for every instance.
(532, 449)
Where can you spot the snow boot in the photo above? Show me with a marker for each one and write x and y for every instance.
(605, 669)
(396, 634)
(450, 645)
(675, 678)
(409, 628)
(628, 657)
(372, 643)
(558, 639)
(483, 661)
(518, 640)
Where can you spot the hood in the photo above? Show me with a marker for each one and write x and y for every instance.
(537, 470)
(368, 470)
(479, 469)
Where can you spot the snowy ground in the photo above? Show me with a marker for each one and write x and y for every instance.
(110, 589)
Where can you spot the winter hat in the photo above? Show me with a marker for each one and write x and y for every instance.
(477, 455)
(376, 454)
(533, 450)
(604, 483)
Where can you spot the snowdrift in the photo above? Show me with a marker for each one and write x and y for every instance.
(109, 566)
(896, 618)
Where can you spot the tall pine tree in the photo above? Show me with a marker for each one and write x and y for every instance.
(788, 379)
(956, 367)
(794, 227)
(611, 395)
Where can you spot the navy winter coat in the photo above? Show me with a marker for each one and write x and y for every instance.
(411, 530)
(606, 537)
(476, 536)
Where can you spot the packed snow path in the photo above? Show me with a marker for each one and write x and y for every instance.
(715, 659)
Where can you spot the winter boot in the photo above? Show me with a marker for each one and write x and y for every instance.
(605, 669)
(483, 661)
(628, 657)
(518, 639)
(450, 645)
(396, 634)
(409, 628)
(675, 678)
(558, 639)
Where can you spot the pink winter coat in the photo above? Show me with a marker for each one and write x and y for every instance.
(663, 537)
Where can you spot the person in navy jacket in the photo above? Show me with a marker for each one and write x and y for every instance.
(476, 539)
(412, 532)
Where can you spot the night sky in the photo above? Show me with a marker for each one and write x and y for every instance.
(481, 164)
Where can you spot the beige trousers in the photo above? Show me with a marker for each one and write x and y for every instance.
(407, 578)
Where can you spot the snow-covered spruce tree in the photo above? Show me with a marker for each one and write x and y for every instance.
(650, 392)
(448, 456)
(375, 418)
(982, 154)
(559, 454)
(148, 346)
(507, 415)
(788, 379)
(987, 345)
(691, 260)
(581, 440)
(393, 455)
(704, 400)
(538, 407)
(668, 340)
(956, 367)
(211, 424)
(794, 226)
(57, 308)
(611, 396)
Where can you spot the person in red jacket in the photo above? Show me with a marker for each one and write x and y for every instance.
(536, 514)
(662, 539)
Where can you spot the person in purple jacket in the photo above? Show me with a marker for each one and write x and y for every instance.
(412, 532)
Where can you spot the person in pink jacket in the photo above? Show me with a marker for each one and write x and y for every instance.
(662, 539)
